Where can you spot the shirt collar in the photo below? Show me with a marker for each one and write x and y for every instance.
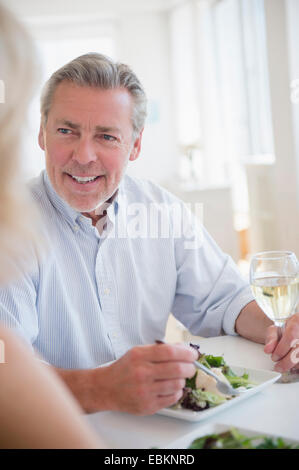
(71, 215)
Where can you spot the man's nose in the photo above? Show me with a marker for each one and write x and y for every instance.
(84, 152)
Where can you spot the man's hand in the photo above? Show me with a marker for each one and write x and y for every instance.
(284, 351)
(146, 379)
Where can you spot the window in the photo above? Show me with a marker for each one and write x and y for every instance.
(221, 90)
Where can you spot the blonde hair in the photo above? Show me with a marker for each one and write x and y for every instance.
(17, 75)
(99, 71)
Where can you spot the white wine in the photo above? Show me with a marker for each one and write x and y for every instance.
(277, 296)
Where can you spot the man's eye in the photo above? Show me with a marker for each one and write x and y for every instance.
(109, 138)
(62, 130)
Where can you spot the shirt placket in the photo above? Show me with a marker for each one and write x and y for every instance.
(108, 297)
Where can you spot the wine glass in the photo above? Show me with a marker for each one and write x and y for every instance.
(274, 279)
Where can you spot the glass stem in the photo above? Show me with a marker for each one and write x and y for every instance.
(280, 330)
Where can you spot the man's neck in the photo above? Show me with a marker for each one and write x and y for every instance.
(94, 217)
(100, 211)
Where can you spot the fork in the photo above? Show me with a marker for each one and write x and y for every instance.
(223, 387)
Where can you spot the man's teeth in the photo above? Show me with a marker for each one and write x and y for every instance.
(84, 179)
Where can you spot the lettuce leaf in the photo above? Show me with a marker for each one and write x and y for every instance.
(211, 398)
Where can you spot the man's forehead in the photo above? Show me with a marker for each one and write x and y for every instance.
(72, 103)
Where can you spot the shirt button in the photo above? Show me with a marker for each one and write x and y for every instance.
(106, 291)
(76, 228)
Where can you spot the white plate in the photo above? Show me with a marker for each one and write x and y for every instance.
(263, 378)
(215, 428)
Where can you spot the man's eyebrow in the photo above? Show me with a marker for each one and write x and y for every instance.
(73, 125)
(106, 129)
(65, 122)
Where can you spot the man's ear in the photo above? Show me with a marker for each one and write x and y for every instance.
(41, 140)
(136, 147)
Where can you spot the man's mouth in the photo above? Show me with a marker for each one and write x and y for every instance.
(84, 179)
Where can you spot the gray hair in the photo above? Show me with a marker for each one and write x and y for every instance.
(97, 70)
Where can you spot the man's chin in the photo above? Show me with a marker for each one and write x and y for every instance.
(87, 209)
(85, 206)
(88, 204)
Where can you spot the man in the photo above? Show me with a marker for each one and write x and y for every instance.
(101, 295)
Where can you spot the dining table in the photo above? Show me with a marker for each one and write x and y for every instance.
(273, 410)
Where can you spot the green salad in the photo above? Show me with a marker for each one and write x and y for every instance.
(201, 391)
(233, 439)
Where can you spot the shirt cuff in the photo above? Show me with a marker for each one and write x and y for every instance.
(105, 364)
(234, 309)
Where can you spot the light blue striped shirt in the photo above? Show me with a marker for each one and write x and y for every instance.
(94, 296)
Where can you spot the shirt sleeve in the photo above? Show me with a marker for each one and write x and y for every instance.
(210, 291)
(18, 308)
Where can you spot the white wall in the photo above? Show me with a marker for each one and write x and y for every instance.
(143, 44)
(36, 8)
